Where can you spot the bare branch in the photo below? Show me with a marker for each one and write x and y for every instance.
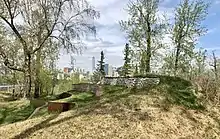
(11, 24)
(7, 63)
(51, 30)
(63, 24)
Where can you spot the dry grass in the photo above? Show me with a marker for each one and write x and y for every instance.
(133, 117)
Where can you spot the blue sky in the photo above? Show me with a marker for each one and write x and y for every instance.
(111, 40)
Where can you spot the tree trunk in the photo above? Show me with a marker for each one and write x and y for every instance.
(14, 83)
(142, 63)
(27, 76)
(148, 57)
(176, 60)
(37, 80)
(38, 67)
(52, 91)
(215, 71)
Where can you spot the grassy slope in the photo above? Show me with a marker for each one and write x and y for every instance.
(14, 111)
(125, 113)
(179, 91)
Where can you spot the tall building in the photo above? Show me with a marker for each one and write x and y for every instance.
(93, 63)
(73, 61)
(106, 68)
(110, 71)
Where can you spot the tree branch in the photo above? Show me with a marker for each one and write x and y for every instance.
(49, 31)
(12, 25)
(55, 23)
(7, 63)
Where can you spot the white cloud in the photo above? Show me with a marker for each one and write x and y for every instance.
(112, 11)
(109, 37)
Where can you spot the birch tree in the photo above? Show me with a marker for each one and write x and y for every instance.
(34, 23)
(187, 28)
(144, 29)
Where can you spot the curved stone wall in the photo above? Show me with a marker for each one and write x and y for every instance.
(131, 82)
(120, 81)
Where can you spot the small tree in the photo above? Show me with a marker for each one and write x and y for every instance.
(96, 76)
(76, 78)
(187, 29)
(127, 66)
(144, 30)
(200, 59)
(100, 71)
(119, 70)
(62, 22)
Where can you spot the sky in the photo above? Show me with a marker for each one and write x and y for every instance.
(111, 39)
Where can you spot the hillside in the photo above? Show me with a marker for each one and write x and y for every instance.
(126, 113)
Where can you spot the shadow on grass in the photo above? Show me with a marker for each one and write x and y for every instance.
(177, 89)
(46, 123)
(26, 133)
(10, 115)
(87, 105)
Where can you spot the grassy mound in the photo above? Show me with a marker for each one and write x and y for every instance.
(119, 113)
(177, 91)
(174, 90)
(164, 111)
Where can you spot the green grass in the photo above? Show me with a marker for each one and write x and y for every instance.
(41, 112)
(81, 99)
(11, 114)
(179, 91)
(78, 97)
(176, 90)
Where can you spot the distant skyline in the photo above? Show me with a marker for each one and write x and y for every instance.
(93, 63)
(111, 39)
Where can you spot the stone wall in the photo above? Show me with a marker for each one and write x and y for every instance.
(131, 82)
(120, 81)
(84, 87)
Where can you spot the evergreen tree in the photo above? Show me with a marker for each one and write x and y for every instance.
(119, 70)
(101, 64)
(127, 66)
(100, 71)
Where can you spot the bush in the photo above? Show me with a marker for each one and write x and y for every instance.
(63, 86)
(209, 88)
(46, 81)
